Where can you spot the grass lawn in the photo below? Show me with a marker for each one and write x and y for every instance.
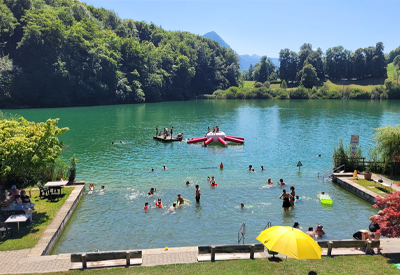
(248, 84)
(29, 234)
(377, 187)
(373, 265)
(390, 69)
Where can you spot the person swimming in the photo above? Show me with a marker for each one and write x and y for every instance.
(212, 181)
(146, 206)
(270, 181)
(281, 182)
(165, 168)
(152, 190)
(158, 203)
(250, 167)
(187, 183)
(242, 206)
(172, 208)
(262, 168)
(91, 187)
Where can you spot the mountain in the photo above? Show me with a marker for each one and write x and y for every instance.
(245, 60)
(214, 36)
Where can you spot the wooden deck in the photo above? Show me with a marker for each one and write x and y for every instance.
(168, 138)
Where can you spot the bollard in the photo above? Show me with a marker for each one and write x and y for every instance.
(84, 264)
(252, 248)
(213, 253)
(128, 258)
(330, 244)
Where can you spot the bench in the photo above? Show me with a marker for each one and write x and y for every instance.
(368, 245)
(240, 248)
(104, 256)
(386, 185)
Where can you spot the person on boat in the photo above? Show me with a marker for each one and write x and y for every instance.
(158, 203)
(212, 181)
(146, 206)
(91, 187)
(198, 193)
(286, 200)
(217, 129)
(156, 130)
(152, 190)
(172, 129)
(281, 182)
(262, 168)
(270, 181)
(164, 167)
(323, 194)
(209, 130)
(293, 193)
(172, 208)
(180, 199)
(319, 232)
(213, 129)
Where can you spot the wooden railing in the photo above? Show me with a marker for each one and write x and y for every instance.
(104, 256)
(368, 245)
(240, 248)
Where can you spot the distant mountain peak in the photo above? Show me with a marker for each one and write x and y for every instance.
(214, 36)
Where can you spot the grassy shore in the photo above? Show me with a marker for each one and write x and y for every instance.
(373, 265)
(30, 234)
(375, 187)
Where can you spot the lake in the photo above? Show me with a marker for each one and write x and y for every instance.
(278, 134)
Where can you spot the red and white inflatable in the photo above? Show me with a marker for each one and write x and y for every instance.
(216, 137)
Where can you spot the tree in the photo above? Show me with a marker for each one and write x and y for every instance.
(396, 61)
(7, 25)
(283, 84)
(358, 61)
(379, 62)
(389, 222)
(26, 148)
(308, 76)
(261, 70)
(388, 142)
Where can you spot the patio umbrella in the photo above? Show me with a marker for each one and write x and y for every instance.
(291, 242)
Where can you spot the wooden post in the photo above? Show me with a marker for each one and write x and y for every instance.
(252, 248)
(368, 249)
(128, 258)
(330, 244)
(213, 253)
(84, 264)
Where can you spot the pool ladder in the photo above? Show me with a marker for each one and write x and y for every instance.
(268, 225)
(241, 233)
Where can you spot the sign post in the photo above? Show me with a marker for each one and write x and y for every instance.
(355, 139)
(299, 164)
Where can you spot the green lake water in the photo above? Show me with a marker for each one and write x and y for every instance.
(277, 135)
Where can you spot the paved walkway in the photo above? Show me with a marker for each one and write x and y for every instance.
(13, 262)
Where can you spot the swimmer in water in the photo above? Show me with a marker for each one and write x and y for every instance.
(212, 181)
(91, 187)
(102, 188)
(281, 182)
(152, 190)
(242, 205)
(146, 206)
(152, 170)
(180, 199)
(187, 183)
(262, 168)
(208, 179)
(250, 167)
(165, 168)
(270, 181)
(158, 203)
(198, 193)
(172, 208)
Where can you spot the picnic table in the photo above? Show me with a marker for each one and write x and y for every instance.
(56, 185)
(8, 210)
(18, 219)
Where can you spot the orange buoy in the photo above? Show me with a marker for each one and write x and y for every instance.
(221, 165)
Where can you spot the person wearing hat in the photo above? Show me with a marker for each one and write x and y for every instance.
(14, 192)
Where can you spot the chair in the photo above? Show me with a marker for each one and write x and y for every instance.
(54, 194)
(44, 191)
(5, 230)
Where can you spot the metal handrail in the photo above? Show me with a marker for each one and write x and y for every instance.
(337, 168)
(268, 225)
(241, 233)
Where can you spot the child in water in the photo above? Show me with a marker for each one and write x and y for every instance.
(146, 206)
(212, 181)
(172, 208)
(242, 206)
(91, 187)
(180, 199)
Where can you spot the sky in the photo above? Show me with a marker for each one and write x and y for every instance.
(264, 27)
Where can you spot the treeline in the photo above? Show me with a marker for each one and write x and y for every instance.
(391, 90)
(67, 53)
(311, 67)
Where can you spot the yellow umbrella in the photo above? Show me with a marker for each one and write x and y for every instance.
(291, 242)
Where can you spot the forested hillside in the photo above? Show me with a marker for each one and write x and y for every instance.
(67, 53)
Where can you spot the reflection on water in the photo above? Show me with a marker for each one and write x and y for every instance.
(277, 135)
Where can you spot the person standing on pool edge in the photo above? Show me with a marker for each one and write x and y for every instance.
(198, 193)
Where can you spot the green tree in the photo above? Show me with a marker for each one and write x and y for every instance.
(284, 84)
(358, 61)
(261, 70)
(396, 61)
(27, 147)
(308, 76)
(388, 142)
(251, 71)
(7, 25)
(379, 62)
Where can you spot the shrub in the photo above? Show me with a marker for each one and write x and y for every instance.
(267, 84)
(258, 84)
(284, 84)
(299, 93)
(357, 93)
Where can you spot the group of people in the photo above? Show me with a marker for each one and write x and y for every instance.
(318, 232)
(180, 200)
(19, 198)
(165, 132)
(214, 130)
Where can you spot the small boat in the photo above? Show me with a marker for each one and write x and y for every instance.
(169, 138)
